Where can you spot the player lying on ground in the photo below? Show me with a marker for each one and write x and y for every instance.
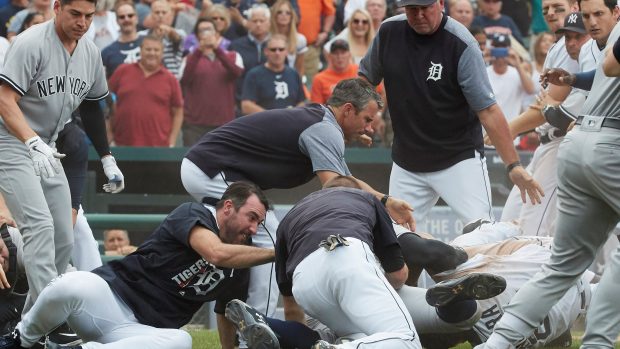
(498, 248)
(140, 301)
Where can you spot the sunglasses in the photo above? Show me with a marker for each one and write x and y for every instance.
(360, 21)
(130, 15)
(279, 49)
(283, 12)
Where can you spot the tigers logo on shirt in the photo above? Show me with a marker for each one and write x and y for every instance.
(434, 72)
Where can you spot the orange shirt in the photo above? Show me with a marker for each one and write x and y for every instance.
(325, 81)
(311, 13)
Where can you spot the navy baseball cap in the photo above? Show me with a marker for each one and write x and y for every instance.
(573, 23)
(403, 3)
(339, 44)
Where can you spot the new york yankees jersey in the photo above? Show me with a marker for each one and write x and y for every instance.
(517, 259)
(51, 82)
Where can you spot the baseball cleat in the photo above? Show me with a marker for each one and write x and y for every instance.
(472, 286)
(473, 225)
(52, 345)
(321, 344)
(10, 341)
(251, 325)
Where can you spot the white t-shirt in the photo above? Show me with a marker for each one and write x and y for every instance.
(508, 90)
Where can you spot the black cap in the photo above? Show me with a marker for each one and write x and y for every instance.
(403, 3)
(339, 44)
(573, 23)
(500, 40)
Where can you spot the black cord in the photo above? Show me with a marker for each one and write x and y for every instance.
(272, 263)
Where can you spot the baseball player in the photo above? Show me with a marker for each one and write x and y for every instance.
(325, 259)
(549, 117)
(588, 206)
(285, 148)
(140, 301)
(49, 72)
(439, 100)
(499, 248)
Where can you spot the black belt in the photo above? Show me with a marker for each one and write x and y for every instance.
(607, 122)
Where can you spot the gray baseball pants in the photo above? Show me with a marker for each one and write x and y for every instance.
(41, 208)
(589, 208)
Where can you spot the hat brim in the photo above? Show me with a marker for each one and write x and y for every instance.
(571, 29)
(403, 3)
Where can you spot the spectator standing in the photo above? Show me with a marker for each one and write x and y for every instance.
(439, 62)
(317, 20)
(16, 22)
(143, 8)
(209, 71)
(127, 48)
(284, 21)
(462, 11)
(521, 13)
(378, 12)
(185, 15)
(104, 30)
(8, 11)
(191, 41)
(509, 80)
(172, 38)
(493, 21)
(149, 105)
(358, 33)
(272, 85)
(340, 67)
(221, 17)
(252, 46)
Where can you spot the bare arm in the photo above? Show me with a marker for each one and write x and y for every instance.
(292, 310)
(249, 107)
(227, 331)
(177, 121)
(494, 121)
(12, 116)
(211, 248)
(397, 278)
(399, 210)
(299, 64)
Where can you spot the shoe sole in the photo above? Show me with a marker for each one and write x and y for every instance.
(473, 286)
(257, 335)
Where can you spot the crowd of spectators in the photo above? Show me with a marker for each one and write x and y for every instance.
(222, 59)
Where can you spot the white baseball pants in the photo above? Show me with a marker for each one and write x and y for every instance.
(465, 187)
(85, 301)
(346, 290)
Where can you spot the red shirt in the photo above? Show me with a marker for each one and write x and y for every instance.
(325, 81)
(144, 105)
(209, 88)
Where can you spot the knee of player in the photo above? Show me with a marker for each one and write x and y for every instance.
(180, 338)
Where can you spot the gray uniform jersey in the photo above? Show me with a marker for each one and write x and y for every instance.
(603, 98)
(52, 83)
(557, 57)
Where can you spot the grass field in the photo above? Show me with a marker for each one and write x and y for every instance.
(205, 339)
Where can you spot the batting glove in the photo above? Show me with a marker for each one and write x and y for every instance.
(116, 181)
(45, 159)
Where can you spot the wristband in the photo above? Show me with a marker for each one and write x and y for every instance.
(616, 50)
(384, 199)
(512, 166)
